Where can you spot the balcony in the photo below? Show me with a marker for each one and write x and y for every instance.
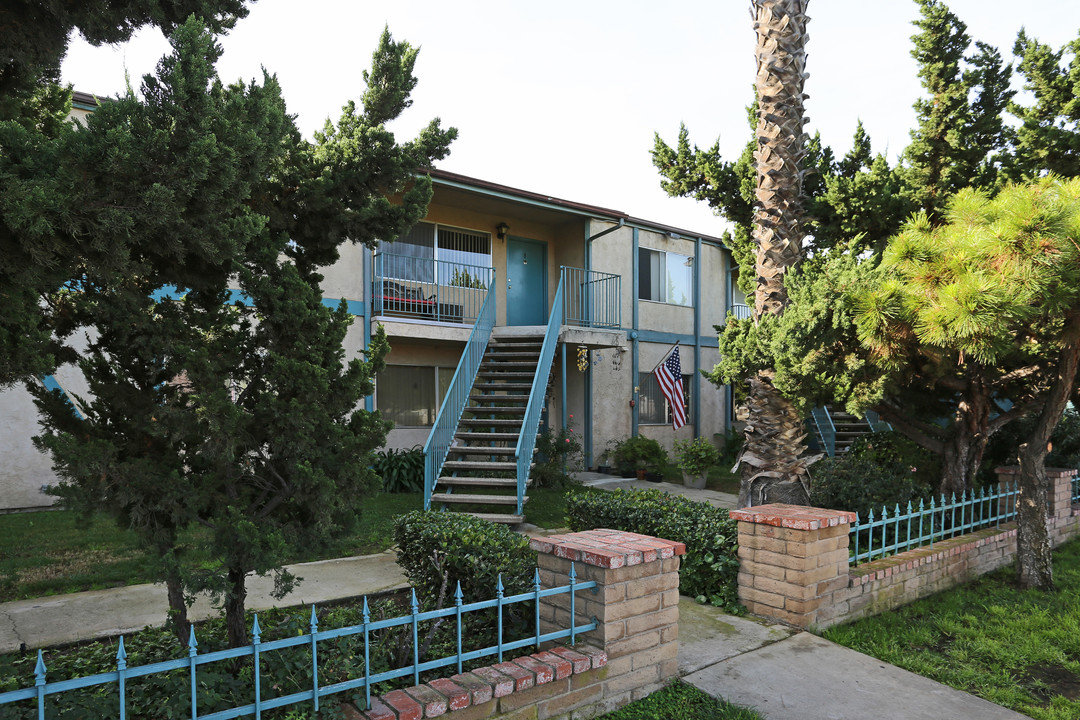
(740, 311)
(418, 288)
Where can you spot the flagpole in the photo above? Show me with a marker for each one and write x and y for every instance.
(665, 356)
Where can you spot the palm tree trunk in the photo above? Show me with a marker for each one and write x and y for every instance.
(771, 466)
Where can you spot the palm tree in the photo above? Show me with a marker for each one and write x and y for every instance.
(773, 469)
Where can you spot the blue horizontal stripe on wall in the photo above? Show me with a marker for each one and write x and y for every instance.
(169, 292)
(664, 337)
(50, 383)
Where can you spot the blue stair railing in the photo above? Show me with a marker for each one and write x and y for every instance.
(457, 396)
(876, 423)
(530, 425)
(826, 431)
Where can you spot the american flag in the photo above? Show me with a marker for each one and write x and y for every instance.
(669, 375)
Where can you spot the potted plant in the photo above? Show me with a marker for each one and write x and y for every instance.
(695, 458)
(638, 455)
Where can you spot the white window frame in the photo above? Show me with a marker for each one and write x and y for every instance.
(667, 259)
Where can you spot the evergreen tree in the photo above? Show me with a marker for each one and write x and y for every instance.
(49, 235)
(1048, 139)
(236, 371)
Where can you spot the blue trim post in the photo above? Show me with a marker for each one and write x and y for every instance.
(587, 422)
(695, 383)
(634, 360)
(365, 319)
(562, 348)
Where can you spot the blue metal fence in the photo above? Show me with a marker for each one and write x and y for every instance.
(429, 289)
(457, 397)
(591, 299)
(119, 678)
(891, 533)
(530, 424)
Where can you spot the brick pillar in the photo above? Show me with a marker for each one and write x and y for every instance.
(1007, 477)
(1059, 493)
(793, 563)
(635, 603)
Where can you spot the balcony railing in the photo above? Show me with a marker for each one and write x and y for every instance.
(428, 289)
(740, 311)
(591, 299)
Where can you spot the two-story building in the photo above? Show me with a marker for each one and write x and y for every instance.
(507, 312)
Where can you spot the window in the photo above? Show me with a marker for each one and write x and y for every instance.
(411, 395)
(653, 408)
(431, 253)
(665, 277)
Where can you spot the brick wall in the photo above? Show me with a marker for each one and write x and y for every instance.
(632, 652)
(794, 560)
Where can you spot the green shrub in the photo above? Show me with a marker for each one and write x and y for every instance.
(710, 567)
(893, 449)
(696, 456)
(402, 471)
(861, 482)
(558, 454)
(638, 453)
(463, 548)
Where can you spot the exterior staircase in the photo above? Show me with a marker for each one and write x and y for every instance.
(849, 428)
(480, 472)
(835, 430)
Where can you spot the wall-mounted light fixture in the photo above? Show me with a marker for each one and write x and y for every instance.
(502, 228)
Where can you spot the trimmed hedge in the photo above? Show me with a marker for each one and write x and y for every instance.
(467, 549)
(710, 568)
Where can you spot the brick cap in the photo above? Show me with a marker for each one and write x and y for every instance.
(795, 517)
(1050, 472)
(606, 548)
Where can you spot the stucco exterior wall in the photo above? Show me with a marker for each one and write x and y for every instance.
(24, 470)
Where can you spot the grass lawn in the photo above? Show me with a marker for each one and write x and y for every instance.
(1017, 648)
(48, 553)
(680, 701)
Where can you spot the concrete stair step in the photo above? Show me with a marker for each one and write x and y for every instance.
(501, 518)
(469, 499)
(464, 481)
(489, 436)
(489, 422)
(478, 465)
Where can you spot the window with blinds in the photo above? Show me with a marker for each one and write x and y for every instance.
(437, 253)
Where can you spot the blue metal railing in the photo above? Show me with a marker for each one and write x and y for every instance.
(826, 431)
(741, 311)
(876, 423)
(902, 530)
(1076, 489)
(429, 289)
(592, 299)
(123, 674)
(531, 423)
(457, 396)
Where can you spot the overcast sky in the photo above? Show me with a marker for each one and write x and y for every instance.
(563, 98)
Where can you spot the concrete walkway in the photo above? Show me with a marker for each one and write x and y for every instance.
(59, 619)
(784, 673)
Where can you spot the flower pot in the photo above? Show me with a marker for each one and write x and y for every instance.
(603, 469)
(654, 477)
(640, 474)
(694, 482)
(627, 473)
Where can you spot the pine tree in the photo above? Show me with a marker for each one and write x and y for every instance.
(239, 411)
(49, 235)
(1048, 139)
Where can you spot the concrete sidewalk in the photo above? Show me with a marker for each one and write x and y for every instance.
(785, 673)
(59, 619)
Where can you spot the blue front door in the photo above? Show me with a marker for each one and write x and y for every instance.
(526, 282)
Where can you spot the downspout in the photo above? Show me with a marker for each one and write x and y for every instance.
(695, 384)
(634, 338)
(365, 273)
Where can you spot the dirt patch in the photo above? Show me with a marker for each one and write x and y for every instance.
(73, 563)
(1046, 681)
